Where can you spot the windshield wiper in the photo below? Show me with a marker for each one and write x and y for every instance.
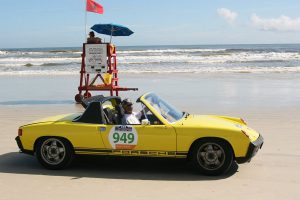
(186, 114)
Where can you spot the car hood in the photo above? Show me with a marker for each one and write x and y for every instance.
(218, 122)
(57, 118)
(211, 121)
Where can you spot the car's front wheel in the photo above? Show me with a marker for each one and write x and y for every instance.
(54, 153)
(212, 156)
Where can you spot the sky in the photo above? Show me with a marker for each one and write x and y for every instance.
(61, 23)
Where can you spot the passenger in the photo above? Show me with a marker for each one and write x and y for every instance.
(130, 117)
(92, 39)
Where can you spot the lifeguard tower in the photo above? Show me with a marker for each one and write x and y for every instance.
(99, 71)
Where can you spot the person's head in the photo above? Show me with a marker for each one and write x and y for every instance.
(127, 106)
(92, 34)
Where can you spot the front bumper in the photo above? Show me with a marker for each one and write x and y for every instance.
(252, 150)
(19, 143)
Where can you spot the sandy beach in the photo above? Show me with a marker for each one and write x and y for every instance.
(229, 58)
(270, 103)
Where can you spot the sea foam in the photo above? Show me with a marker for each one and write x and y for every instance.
(178, 59)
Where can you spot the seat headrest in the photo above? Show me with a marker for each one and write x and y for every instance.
(120, 110)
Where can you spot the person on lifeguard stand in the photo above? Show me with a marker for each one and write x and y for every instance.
(92, 39)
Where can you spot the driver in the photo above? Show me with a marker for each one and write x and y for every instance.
(130, 117)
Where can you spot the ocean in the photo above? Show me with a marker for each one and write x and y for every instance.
(258, 58)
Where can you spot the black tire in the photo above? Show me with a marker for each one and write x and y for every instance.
(212, 156)
(54, 152)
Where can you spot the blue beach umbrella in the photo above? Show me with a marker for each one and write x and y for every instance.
(112, 30)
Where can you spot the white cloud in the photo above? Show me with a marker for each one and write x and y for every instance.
(227, 14)
(282, 23)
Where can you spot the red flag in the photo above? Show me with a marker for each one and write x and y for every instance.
(92, 6)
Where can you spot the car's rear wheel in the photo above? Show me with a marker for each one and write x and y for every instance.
(54, 153)
(212, 156)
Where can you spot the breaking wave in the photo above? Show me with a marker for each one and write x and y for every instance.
(158, 59)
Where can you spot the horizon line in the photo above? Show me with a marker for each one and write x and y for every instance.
(152, 45)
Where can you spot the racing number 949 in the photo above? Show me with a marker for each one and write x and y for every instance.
(126, 138)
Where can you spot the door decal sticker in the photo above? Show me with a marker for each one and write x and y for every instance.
(123, 137)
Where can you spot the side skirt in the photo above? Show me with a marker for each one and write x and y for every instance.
(139, 153)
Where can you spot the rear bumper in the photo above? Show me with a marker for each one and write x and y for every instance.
(252, 150)
(19, 143)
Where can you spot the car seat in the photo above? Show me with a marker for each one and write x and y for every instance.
(120, 113)
(109, 115)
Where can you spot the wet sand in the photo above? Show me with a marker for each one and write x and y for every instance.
(269, 104)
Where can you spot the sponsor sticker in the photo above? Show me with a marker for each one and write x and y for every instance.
(123, 137)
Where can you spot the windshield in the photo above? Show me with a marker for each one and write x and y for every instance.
(166, 110)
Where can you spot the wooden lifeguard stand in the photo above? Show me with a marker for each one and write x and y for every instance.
(99, 61)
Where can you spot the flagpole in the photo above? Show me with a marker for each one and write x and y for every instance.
(85, 22)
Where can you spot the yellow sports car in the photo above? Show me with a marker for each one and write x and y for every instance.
(212, 143)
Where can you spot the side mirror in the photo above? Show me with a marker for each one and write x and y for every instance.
(145, 122)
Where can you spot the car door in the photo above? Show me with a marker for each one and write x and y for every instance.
(85, 138)
(139, 140)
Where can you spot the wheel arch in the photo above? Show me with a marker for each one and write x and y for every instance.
(46, 137)
(208, 138)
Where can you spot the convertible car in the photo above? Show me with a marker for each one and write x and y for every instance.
(211, 143)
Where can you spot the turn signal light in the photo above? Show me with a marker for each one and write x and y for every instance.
(20, 132)
(243, 121)
(245, 133)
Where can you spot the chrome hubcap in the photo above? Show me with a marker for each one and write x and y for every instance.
(211, 156)
(53, 151)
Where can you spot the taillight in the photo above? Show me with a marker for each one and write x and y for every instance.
(20, 132)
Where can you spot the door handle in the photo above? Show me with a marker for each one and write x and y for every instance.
(102, 128)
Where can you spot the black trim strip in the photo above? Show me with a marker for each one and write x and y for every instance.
(94, 150)
(132, 152)
(180, 153)
(19, 143)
